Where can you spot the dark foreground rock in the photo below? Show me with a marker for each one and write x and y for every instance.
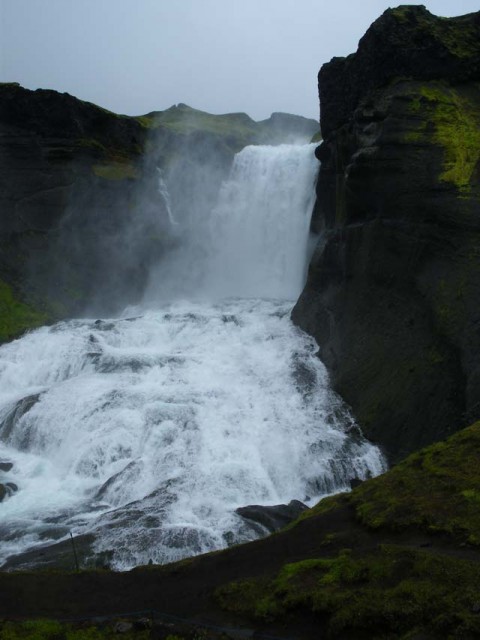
(63, 555)
(273, 517)
(393, 291)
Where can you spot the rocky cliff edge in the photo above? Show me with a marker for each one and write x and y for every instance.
(393, 291)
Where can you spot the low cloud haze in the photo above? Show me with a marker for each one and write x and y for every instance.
(133, 57)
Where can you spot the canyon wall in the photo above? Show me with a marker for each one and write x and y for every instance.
(393, 291)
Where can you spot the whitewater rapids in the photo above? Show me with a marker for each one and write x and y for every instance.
(149, 431)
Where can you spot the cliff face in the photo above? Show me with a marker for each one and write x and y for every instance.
(393, 292)
(70, 173)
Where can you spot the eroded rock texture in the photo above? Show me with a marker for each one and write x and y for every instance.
(393, 292)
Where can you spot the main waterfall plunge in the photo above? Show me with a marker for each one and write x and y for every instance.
(151, 429)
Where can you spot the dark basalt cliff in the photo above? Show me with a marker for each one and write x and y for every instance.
(65, 166)
(393, 292)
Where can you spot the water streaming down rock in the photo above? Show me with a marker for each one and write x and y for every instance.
(261, 223)
(149, 431)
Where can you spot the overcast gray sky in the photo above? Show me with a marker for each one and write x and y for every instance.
(136, 56)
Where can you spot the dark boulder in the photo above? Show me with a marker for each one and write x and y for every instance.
(393, 291)
(60, 555)
(6, 466)
(11, 418)
(7, 489)
(273, 517)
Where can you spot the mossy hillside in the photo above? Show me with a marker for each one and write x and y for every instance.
(396, 592)
(435, 490)
(238, 128)
(16, 316)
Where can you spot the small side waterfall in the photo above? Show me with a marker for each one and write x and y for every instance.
(148, 431)
(163, 191)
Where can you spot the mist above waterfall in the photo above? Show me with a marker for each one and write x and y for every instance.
(250, 239)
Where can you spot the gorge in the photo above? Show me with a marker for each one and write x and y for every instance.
(391, 297)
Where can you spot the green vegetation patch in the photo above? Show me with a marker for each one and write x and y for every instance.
(15, 316)
(435, 489)
(457, 130)
(390, 594)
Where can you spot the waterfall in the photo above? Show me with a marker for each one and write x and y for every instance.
(149, 431)
(261, 224)
(251, 242)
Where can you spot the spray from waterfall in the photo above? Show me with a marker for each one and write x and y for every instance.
(250, 242)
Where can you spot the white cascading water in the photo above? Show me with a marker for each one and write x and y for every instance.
(149, 431)
(262, 220)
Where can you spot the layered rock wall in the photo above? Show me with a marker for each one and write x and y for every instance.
(393, 292)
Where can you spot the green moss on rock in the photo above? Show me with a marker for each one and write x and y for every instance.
(16, 316)
(431, 490)
(457, 130)
(443, 116)
(390, 594)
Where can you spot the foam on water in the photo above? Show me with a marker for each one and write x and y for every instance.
(150, 431)
(169, 422)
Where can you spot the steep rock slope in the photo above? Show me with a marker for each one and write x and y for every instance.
(393, 292)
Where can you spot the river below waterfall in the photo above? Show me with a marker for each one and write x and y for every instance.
(151, 429)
